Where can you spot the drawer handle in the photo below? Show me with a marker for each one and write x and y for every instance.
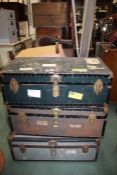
(11, 15)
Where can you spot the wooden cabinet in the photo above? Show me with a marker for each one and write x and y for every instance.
(109, 56)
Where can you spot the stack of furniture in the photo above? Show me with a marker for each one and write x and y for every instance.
(57, 107)
(8, 30)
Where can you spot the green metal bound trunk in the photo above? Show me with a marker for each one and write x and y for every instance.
(58, 81)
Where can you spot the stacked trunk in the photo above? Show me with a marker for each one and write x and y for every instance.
(57, 107)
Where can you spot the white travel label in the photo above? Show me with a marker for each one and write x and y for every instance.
(25, 68)
(94, 67)
(92, 61)
(42, 123)
(71, 152)
(79, 70)
(34, 93)
(48, 65)
(75, 126)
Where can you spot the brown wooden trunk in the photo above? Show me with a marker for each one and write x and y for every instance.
(65, 127)
(57, 122)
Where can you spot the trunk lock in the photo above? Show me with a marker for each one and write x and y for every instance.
(91, 119)
(85, 149)
(56, 113)
(52, 144)
(23, 117)
(22, 148)
(55, 79)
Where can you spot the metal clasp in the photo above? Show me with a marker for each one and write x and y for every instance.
(23, 117)
(55, 79)
(22, 148)
(106, 108)
(56, 113)
(52, 144)
(91, 119)
(85, 149)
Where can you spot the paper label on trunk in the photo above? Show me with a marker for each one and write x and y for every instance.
(75, 95)
(92, 61)
(75, 125)
(79, 70)
(48, 65)
(34, 93)
(42, 123)
(94, 67)
(25, 68)
(71, 152)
